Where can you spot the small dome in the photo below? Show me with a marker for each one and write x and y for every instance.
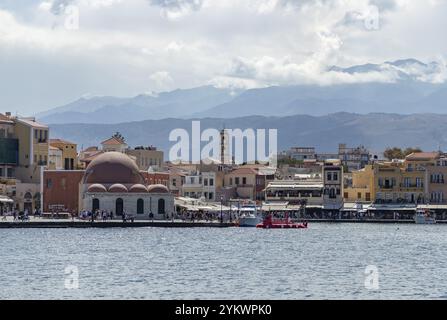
(157, 188)
(96, 188)
(118, 188)
(138, 188)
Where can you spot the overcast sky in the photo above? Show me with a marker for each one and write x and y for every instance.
(128, 47)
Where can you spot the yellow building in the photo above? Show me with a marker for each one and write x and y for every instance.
(69, 153)
(362, 189)
(411, 180)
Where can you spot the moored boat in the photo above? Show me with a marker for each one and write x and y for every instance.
(249, 216)
(424, 217)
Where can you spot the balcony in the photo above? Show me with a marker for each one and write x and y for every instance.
(411, 186)
(437, 181)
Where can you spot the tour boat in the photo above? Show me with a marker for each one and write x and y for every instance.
(270, 223)
(423, 217)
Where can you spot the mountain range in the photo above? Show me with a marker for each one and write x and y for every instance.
(376, 130)
(411, 87)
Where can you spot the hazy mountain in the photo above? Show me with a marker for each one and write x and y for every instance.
(376, 131)
(414, 89)
(181, 103)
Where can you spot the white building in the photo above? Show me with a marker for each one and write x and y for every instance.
(113, 183)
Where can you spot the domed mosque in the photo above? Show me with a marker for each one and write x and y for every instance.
(112, 182)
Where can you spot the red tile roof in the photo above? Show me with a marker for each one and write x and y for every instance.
(60, 141)
(423, 156)
(113, 141)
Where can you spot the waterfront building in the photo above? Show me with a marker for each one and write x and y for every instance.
(361, 186)
(146, 157)
(9, 148)
(23, 154)
(61, 190)
(250, 181)
(353, 158)
(86, 156)
(33, 148)
(295, 192)
(301, 153)
(55, 161)
(114, 144)
(332, 175)
(113, 182)
(69, 153)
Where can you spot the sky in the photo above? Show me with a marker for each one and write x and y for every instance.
(55, 51)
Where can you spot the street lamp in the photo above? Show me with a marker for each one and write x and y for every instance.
(221, 213)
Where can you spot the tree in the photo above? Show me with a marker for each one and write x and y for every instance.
(398, 153)
(393, 153)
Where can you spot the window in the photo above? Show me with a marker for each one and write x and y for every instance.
(49, 183)
(335, 176)
(419, 183)
(174, 182)
(1, 172)
(211, 195)
(236, 181)
(244, 180)
(368, 196)
(35, 158)
(205, 182)
(346, 195)
(329, 176)
(359, 195)
(211, 182)
(140, 206)
(231, 181)
(35, 134)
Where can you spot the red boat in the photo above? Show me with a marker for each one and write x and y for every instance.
(270, 223)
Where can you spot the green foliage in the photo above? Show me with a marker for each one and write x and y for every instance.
(398, 153)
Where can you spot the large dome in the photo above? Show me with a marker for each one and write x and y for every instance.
(111, 168)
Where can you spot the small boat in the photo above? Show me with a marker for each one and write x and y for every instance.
(249, 217)
(424, 217)
(270, 223)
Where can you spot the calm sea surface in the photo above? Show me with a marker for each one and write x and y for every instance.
(327, 261)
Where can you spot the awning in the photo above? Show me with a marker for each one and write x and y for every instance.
(4, 199)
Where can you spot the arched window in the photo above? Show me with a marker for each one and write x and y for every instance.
(119, 207)
(140, 206)
(161, 206)
(95, 204)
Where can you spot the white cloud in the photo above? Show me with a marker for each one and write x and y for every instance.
(162, 80)
(232, 43)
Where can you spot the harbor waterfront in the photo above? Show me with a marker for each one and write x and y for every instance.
(326, 261)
